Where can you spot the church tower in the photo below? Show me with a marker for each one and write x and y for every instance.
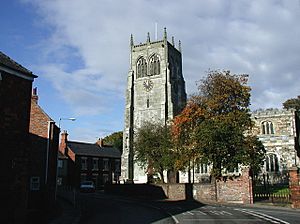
(155, 92)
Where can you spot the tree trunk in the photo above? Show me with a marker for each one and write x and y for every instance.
(189, 172)
(161, 173)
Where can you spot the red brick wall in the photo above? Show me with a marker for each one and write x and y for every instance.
(230, 190)
(38, 120)
(235, 190)
(15, 94)
(43, 155)
(295, 187)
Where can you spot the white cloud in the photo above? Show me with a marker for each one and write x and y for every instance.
(260, 38)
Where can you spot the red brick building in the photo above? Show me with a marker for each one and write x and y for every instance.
(15, 99)
(89, 161)
(44, 136)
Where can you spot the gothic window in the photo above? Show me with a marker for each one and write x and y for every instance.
(267, 128)
(271, 163)
(154, 65)
(141, 68)
(201, 168)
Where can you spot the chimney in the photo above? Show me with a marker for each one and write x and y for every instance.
(63, 142)
(100, 142)
(34, 95)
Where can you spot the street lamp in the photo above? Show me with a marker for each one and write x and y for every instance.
(61, 118)
(68, 118)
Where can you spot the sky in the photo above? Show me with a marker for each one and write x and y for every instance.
(79, 49)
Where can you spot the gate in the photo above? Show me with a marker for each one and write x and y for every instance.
(267, 192)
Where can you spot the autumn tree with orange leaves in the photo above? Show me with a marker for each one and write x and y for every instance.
(215, 127)
(183, 133)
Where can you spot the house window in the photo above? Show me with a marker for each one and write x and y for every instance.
(267, 128)
(105, 178)
(117, 166)
(60, 164)
(83, 163)
(59, 181)
(105, 164)
(141, 68)
(95, 164)
(35, 183)
(95, 179)
(271, 163)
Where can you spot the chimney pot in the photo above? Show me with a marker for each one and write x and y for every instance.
(34, 95)
(63, 142)
(100, 142)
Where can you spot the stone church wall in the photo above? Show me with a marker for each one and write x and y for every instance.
(280, 143)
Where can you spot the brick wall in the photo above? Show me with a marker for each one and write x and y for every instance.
(231, 190)
(15, 93)
(38, 120)
(295, 187)
(44, 136)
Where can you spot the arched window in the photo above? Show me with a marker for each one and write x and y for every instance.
(141, 67)
(272, 164)
(154, 65)
(201, 168)
(267, 128)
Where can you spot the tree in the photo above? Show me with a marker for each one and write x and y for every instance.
(153, 148)
(115, 139)
(293, 103)
(183, 134)
(224, 135)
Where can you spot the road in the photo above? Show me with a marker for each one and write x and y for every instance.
(100, 208)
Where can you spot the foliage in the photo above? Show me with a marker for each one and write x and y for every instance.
(293, 103)
(256, 154)
(154, 148)
(115, 139)
(183, 134)
(221, 125)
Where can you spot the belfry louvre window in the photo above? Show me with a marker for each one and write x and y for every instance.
(267, 128)
(272, 163)
(141, 68)
(154, 65)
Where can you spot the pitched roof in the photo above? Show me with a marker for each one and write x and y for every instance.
(10, 63)
(93, 149)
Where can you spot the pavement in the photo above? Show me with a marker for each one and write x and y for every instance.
(68, 215)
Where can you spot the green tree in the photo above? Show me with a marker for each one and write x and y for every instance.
(115, 139)
(154, 149)
(293, 103)
(224, 136)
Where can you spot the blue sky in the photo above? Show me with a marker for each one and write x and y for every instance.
(80, 50)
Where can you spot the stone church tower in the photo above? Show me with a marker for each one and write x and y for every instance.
(155, 92)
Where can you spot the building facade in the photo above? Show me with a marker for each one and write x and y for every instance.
(44, 136)
(81, 161)
(15, 99)
(278, 129)
(155, 92)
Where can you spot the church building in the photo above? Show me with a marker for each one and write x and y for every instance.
(155, 92)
